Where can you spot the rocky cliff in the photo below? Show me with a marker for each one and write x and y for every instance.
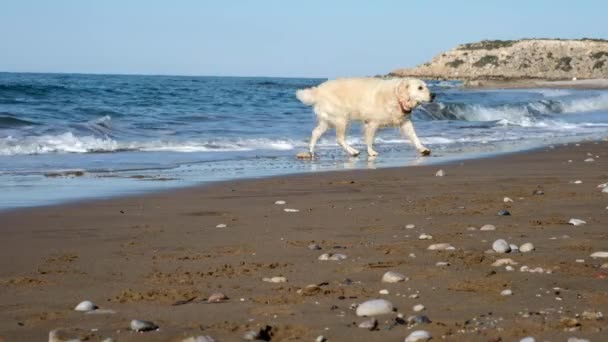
(544, 59)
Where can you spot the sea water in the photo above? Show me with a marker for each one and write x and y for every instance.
(68, 137)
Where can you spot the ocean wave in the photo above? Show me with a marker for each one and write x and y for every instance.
(7, 120)
(70, 143)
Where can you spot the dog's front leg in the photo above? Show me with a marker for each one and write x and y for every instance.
(407, 128)
(370, 132)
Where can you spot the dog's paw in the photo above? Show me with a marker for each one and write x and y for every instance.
(372, 153)
(426, 152)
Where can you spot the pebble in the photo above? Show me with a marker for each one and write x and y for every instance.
(250, 335)
(332, 257)
(85, 306)
(605, 190)
(604, 266)
(514, 247)
(221, 225)
(504, 213)
(506, 292)
(309, 290)
(410, 226)
(393, 277)
(320, 338)
(441, 247)
(137, 325)
(280, 202)
(526, 247)
(501, 246)
(486, 227)
(578, 182)
(503, 262)
(528, 339)
(420, 319)
(275, 280)
(314, 247)
(418, 336)
(507, 200)
(575, 339)
(383, 292)
(290, 210)
(375, 307)
(538, 192)
(599, 255)
(576, 222)
(589, 160)
(440, 173)
(418, 307)
(369, 324)
(603, 185)
(425, 237)
(217, 297)
(201, 338)
(509, 268)
(592, 315)
(442, 263)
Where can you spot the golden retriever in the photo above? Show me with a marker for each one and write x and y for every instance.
(373, 101)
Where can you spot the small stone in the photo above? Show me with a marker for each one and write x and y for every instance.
(592, 315)
(418, 336)
(383, 292)
(263, 334)
(250, 335)
(504, 213)
(509, 268)
(419, 319)
(332, 257)
(314, 247)
(201, 338)
(501, 246)
(440, 247)
(309, 290)
(503, 262)
(138, 325)
(425, 237)
(221, 225)
(514, 247)
(275, 280)
(576, 222)
(605, 190)
(414, 296)
(599, 255)
(280, 202)
(487, 227)
(528, 339)
(442, 264)
(319, 338)
(578, 182)
(589, 160)
(524, 268)
(393, 277)
(375, 307)
(604, 266)
(507, 200)
(418, 307)
(85, 306)
(369, 324)
(410, 226)
(304, 155)
(440, 173)
(538, 192)
(575, 339)
(526, 247)
(217, 297)
(290, 210)
(506, 292)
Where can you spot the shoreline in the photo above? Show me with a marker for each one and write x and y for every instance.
(139, 256)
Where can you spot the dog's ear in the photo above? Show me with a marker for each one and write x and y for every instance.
(402, 92)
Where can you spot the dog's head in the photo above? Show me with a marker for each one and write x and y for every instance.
(410, 92)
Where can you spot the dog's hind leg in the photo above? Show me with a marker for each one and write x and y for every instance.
(407, 128)
(316, 134)
(370, 132)
(341, 138)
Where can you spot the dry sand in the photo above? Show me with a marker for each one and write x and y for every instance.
(140, 255)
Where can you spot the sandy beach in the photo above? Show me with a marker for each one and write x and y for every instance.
(159, 257)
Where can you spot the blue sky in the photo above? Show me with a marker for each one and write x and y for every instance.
(311, 38)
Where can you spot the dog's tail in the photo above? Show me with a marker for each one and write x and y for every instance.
(307, 96)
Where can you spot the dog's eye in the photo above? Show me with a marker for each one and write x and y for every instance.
(420, 88)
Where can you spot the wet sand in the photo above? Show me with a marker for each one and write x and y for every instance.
(139, 256)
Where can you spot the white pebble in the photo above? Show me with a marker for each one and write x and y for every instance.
(383, 292)
(603, 185)
(506, 292)
(275, 280)
(280, 202)
(375, 307)
(605, 190)
(418, 307)
(221, 225)
(528, 339)
(507, 200)
(418, 336)
(486, 227)
(290, 210)
(440, 173)
(503, 261)
(86, 305)
(393, 277)
(578, 182)
(320, 338)
(526, 247)
(589, 160)
(442, 263)
(576, 222)
(599, 255)
(201, 338)
(509, 268)
(575, 339)
(410, 226)
(501, 246)
(514, 247)
(425, 237)
(440, 247)
(137, 325)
